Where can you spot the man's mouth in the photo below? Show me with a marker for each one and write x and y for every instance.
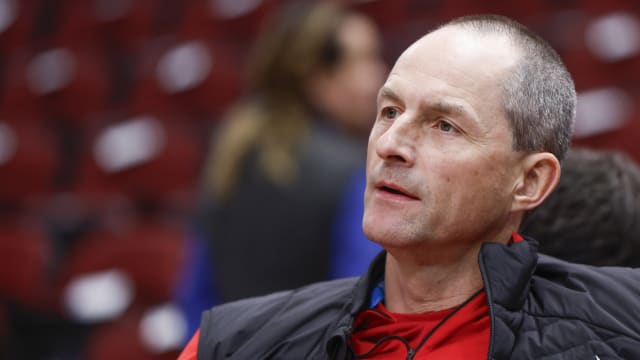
(396, 190)
(392, 190)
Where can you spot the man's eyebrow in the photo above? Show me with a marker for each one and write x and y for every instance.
(449, 108)
(454, 110)
(387, 93)
(443, 107)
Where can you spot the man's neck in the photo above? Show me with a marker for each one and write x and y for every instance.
(442, 283)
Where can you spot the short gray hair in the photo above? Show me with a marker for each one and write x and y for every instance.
(539, 97)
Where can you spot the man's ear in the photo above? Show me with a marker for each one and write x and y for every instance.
(539, 177)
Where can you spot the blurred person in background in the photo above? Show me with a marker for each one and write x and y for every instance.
(593, 216)
(281, 162)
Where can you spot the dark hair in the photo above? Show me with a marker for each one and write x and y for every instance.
(539, 96)
(593, 216)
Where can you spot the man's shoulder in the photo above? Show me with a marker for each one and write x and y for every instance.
(572, 311)
(590, 279)
(260, 322)
(604, 297)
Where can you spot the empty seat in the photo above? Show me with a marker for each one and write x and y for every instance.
(201, 77)
(71, 84)
(28, 159)
(624, 138)
(24, 255)
(523, 11)
(391, 14)
(237, 20)
(16, 23)
(598, 7)
(124, 339)
(148, 254)
(144, 157)
(124, 24)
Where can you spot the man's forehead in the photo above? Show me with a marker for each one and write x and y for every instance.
(464, 42)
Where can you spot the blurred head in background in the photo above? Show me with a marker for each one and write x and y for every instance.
(593, 216)
(316, 62)
(347, 91)
(324, 56)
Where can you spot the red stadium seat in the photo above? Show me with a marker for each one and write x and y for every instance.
(145, 157)
(587, 71)
(128, 28)
(60, 76)
(16, 24)
(150, 255)
(455, 8)
(390, 14)
(17, 97)
(237, 21)
(523, 11)
(122, 339)
(623, 139)
(201, 78)
(599, 7)
(28, 159)
(125, 25)
(53, 80)
(25, 257)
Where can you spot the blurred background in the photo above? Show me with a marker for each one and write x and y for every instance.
(108, 109)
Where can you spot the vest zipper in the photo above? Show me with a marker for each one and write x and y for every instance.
(487, 289)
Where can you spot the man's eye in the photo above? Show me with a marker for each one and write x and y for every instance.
(445, 126)
(389, 113)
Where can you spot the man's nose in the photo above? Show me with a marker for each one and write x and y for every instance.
(397, 144)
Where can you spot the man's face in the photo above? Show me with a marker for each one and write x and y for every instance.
(440, 162)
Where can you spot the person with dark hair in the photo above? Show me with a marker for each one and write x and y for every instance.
(279, 164)
(471, 126)
(593, 216)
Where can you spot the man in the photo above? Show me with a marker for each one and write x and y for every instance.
(472, 123)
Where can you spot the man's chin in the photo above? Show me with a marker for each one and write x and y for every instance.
(386, 233)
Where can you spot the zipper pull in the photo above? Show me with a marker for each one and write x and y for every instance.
(410, 354)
